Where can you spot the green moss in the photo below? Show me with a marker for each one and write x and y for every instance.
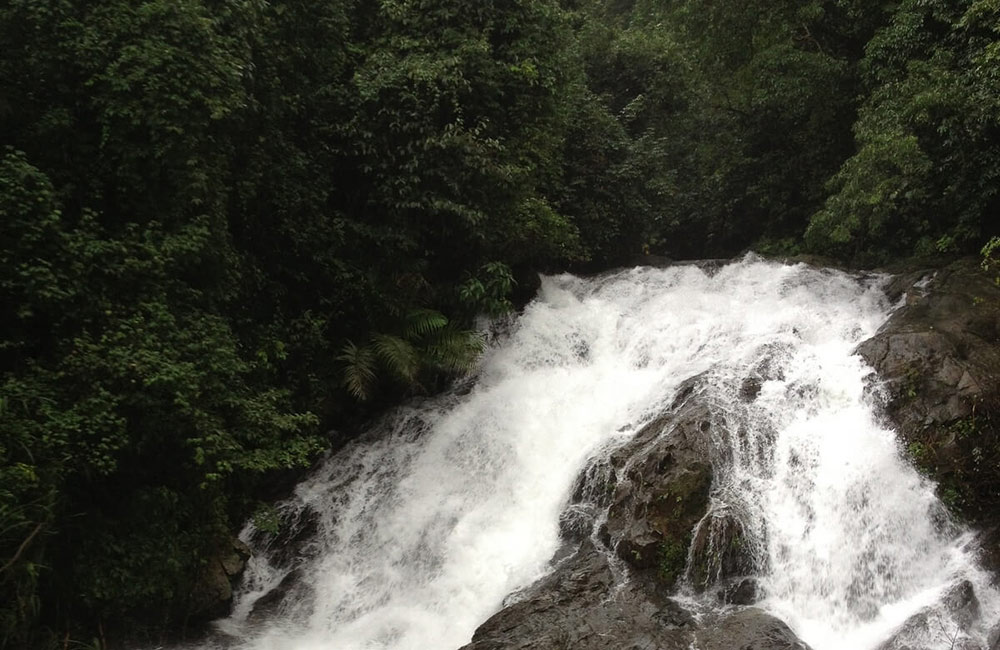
(922, 455)
(673, 560)
(958, 497)
(965, 428)
(911, 383)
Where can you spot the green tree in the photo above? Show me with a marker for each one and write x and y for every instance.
(925, 174)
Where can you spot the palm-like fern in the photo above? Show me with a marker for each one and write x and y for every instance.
(422, 322)
(426, 341)
(454, 350)
(399, 356)
(359, 370)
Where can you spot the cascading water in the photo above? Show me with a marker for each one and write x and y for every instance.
(421, 528)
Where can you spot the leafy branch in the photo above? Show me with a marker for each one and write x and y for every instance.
(427, 342)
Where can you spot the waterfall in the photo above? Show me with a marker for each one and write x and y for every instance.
(414, 534)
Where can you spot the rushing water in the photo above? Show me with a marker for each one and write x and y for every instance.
(425, 525)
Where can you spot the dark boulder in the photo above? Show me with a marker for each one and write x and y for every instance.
(270, 603)
(719, 550)
(961, 607)
(582, 605)
(739, 591)
(657, 490)
(747, 629)
(212, 595)
(579, 606)
(663, 492)
(939, 358)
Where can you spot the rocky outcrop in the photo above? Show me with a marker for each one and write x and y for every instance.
(581, 606)
(747, 629)
(212, 594)
(939, 356)
(958, 605)
(584, 606)
(719, 554)
(664, 489)
(656, 490)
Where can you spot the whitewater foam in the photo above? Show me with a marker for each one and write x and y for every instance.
(426, 523)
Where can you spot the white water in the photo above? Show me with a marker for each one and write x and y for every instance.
(426, 525)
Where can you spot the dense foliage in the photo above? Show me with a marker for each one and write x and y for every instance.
(227, 226)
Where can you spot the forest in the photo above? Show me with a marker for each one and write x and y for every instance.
(232, 230)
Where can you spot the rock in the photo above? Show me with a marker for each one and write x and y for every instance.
(664, 490)
(967, 644)
(654, 261)
(747, 629)
(939, 356)
(212, 595)
(661, 493)
(960, 601)
(742, 591)
(295, 537)
(270, 603)
(578, 606)
(576, 522)
(989, 550)
(993, 641)
(962, 608)
(719, 550)
(750, 389)
(526, 285)
(235, 561)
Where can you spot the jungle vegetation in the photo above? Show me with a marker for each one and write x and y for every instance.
(228, 227)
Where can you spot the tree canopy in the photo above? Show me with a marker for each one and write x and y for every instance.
(229, 226)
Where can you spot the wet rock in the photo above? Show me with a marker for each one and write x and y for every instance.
(664, 491)
(960, 608)
(741, 591)
(766, 370)
(719, 550)
(750, 389)
(993, 641)
(939, 355)
(270, 603)
(747, 629)
(296, 531)
(960, 601)
(579, 606)
(212, 595)
(527, 282)
(576, 522)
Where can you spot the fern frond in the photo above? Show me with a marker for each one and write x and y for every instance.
(399, 356)
(422, 322)
(455, 350)
(359, 370)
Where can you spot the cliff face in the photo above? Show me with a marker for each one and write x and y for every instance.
(939, 359)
